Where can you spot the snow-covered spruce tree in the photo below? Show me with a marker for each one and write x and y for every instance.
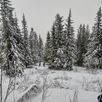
(11, 63)
(93, 58)
(53, 47)
(27, 56)
(57, 44)
(59, 30)
(79, 61)
(47, 52)
(9, 34)
(19, 40)
(81, 43)
(40, 50)
(33, 45)
(69, 44)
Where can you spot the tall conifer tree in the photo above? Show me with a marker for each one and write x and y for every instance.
(10, 39)
(81, 43)
(69, 44)
(26, 44)
(57, 43)
(12, 57)
(47, 55)
(33, 45)
(40, 50)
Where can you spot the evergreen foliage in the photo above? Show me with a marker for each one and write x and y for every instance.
(33, 45)
(93, 57)
(62, 44)
(40, 50)
(11, 40)
(57, 43)
(69, 44)
(81, 43)
(26, 53)
(48, 46)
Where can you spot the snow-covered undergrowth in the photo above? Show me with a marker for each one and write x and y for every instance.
(62, 85)
(72, 80)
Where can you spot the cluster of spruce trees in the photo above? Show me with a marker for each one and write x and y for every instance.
(18, 48)
(60, 44)
(63, 50)
(93, 56)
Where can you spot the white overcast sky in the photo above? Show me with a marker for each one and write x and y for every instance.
(40, 14)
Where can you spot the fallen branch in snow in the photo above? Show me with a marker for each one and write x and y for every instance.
(33, 90)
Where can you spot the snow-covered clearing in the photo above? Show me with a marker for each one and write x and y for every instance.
(63, 85)
(65, 95)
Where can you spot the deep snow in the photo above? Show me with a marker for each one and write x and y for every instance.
(62, 84)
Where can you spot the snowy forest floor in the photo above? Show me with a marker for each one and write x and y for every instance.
(79, 84)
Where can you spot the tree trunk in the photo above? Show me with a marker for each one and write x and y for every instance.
(1, 84)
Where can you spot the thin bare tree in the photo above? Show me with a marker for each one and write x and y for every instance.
(45, 88)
